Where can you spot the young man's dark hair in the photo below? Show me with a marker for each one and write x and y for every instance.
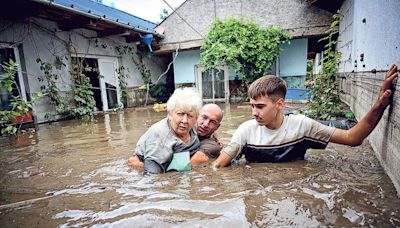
(271, 86)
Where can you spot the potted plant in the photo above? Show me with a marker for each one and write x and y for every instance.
(20, 111)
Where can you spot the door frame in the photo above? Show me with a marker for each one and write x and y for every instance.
(103, 90)
(113, 60)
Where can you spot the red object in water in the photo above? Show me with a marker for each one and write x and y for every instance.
(24, 118)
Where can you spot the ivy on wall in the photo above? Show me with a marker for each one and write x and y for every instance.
(324, 101)
(243, 45)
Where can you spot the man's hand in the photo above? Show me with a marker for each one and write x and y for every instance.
(223, 160)
(356, 135)
(387, 87)
(134, 162)
(199, 158)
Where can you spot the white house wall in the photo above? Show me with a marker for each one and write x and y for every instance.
(372, 28)
(369, 37)
(184, 66)
(296, 16)
(38, 41)
(346, 37)
(293, 58)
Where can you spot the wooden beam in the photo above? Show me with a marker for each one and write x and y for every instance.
(171, 47)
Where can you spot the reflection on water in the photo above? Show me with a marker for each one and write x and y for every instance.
(74, 173)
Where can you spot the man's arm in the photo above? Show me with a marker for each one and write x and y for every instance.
(134, 162)
(227, 155)
(356, 135)
(223, 160)
(199, 158)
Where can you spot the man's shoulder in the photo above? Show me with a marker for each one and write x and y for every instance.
(249, 123)
(297, 119)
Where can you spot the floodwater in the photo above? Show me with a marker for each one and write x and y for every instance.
(74, 174)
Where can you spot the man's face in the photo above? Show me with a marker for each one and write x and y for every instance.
(182, 120)
(208, 121)
(265, 111)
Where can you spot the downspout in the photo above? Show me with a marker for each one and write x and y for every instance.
(59, 6)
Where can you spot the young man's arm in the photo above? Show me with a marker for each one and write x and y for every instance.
(356, 135)
(226, 156)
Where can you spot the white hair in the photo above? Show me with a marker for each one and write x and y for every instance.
(185, 97)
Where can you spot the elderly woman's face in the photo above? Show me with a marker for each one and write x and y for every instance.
(182, 120)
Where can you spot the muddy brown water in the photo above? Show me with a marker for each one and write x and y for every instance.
(74, 174)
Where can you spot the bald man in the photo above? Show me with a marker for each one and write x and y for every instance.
(210, 117)
(209, 120)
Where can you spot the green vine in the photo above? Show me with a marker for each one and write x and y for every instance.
(82, 99)
(324, 101)
(243, 45)
(123, 84)
(82, 93)
(50, 79)
(143, 70)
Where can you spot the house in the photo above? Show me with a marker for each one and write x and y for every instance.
(369, 43)
(188, 24)
(47, 37)
(368, 40)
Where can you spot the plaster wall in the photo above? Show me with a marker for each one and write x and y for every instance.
(42, 39)
(293, 58)
(184, 66)
(296, 16)
(377, 38)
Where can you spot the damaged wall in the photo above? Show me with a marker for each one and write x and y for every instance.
(295, 15)
(369, 43)
(39, 38)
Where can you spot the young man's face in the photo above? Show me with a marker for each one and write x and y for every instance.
(266, 111)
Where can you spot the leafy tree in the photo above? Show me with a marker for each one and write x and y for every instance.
(164, 14)
(243, 45)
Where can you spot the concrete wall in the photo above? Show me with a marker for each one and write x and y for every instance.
(42, 39)
(372, 28)
(184, 66)
(369, 35)
(297, 16)
(293, 62)
(292, 66)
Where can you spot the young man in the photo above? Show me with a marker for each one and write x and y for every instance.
(273, 137)
(208, 121)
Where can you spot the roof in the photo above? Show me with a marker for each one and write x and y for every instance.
(74, 14)
(104, 11)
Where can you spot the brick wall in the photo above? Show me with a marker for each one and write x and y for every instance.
(360, 92)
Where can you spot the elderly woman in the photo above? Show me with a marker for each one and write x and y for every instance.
(176, 133)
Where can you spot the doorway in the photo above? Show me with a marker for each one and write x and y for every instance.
(90, 67)
(103, 78)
